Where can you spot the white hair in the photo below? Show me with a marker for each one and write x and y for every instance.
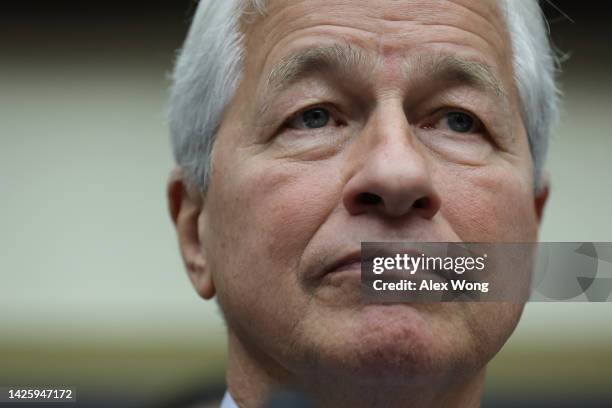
(209, 69)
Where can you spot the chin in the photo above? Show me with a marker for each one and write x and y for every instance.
(397, 344)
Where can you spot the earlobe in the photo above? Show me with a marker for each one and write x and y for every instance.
(541, 196)
(185, 205)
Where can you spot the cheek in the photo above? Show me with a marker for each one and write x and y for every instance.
(286, 204)
(490, 204)
(261, 216)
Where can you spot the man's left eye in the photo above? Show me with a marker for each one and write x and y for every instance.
(456, 121)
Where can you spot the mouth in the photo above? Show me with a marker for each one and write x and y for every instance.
(352, 263)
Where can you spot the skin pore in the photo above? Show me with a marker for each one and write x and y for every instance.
(356, 121)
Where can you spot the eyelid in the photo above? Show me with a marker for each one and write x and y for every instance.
(440, 114)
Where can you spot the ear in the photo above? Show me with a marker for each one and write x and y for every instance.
(185, 204)
(541, 196)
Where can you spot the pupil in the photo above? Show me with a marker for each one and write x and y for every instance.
(315, 118)
(460, 122)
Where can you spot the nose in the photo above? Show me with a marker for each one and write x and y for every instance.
(388, 175)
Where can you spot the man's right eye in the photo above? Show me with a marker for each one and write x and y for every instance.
(315, 118)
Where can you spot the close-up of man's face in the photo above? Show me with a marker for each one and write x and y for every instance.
(306, 204)
(361, 121)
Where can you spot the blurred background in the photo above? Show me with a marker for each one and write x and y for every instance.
(92, 289)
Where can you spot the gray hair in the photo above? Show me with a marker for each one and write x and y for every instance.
(209, 69)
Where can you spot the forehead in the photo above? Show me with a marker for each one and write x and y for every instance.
(391, 29)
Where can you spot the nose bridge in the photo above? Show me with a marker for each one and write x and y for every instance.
(389, 173)
(389, 118)
(389, 140)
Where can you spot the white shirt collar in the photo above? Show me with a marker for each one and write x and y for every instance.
(228, 401)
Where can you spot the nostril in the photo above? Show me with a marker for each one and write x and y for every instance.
(422, 202)
(369, 199)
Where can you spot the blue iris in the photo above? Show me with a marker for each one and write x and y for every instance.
(315, 118)
(460, 122)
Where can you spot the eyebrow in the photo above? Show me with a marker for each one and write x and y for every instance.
(349, 61)
(336, 59)
(455, 69)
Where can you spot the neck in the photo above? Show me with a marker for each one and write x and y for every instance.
(253, 378)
